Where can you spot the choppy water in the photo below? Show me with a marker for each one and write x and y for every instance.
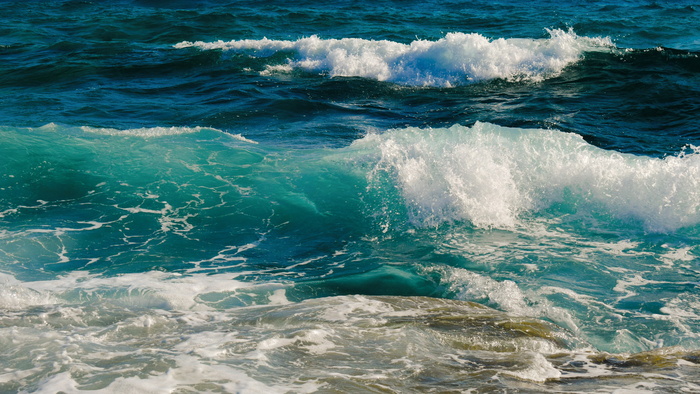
(358, 197)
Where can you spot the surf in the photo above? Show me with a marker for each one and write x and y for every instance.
(492, 177)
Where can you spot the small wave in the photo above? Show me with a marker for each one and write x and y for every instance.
(456, 59)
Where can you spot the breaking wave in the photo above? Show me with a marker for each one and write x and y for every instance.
(456, 59)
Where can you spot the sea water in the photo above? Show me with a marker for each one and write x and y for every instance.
(257, 197)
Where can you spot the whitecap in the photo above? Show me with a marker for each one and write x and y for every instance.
(493, 176)
(456, 59)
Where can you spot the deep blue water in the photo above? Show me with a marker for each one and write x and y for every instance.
(352, 197)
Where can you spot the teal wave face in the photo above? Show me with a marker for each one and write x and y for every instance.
(167, 198)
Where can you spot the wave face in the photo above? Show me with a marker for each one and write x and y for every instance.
(456, 59)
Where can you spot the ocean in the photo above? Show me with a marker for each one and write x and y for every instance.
(350, 197)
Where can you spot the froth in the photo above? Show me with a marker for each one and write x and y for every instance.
(490, 176)
(456, 59)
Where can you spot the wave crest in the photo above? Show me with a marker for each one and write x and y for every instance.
(456, 59)
(148, 132)
(491, 175)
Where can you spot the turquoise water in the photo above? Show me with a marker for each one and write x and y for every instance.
(359, 197)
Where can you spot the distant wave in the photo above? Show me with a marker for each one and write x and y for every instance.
(456, 59)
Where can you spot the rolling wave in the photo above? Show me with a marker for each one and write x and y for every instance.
(456, 59)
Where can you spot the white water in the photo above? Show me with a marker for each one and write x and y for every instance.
(456, 59)
(491, 176)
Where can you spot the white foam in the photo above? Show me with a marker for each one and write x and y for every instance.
(189, 372)
(682, 311)
(490, 175)
(637, 388)
(392, 342)
(208, 344)
(354, 306)
(456, 59)
(151, 132)
(540, 370)
(157, 288)
(144, 131)
(623, 285)
(279, 297)
(505, 295)
(313, 341)
(674, 256)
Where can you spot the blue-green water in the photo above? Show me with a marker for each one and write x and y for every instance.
(359, 197)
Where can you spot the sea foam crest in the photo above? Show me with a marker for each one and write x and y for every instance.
(491, 175)
(144, 131)
(456, 59)
(159, 131)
